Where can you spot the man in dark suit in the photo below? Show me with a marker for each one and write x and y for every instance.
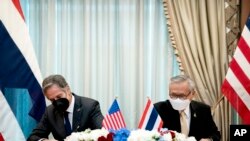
(196, 121)
(67, 113)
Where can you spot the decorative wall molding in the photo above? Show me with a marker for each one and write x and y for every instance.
(232, 16)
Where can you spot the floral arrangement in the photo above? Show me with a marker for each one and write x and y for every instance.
(170, 135)
(126, 135)
(144, 135)
(91, 135)
(120, 135)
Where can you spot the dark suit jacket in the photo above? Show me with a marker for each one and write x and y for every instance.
(201, 123)
(86, 114)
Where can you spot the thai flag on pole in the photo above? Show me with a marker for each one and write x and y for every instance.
(150, 119)
(114, 119)
(21, 98)
(236, 86)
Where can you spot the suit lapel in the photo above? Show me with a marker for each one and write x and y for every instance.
(193, 117)
(77, 114)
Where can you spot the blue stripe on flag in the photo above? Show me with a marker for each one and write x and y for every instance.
(20, 102)
(15, 72)
(248, 23)
(152, 120)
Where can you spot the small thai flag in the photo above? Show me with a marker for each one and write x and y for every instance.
(150, 119)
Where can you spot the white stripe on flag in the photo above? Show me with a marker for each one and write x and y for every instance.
(242, 61)
(237, 86)
(157, 122)
(9, 126)
(246, 35)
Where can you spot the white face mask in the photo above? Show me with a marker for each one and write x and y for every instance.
(179, 104)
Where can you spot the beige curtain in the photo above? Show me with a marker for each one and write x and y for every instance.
(197, 29)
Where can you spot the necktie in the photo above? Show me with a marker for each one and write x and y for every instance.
(184, 128)
(67, 124)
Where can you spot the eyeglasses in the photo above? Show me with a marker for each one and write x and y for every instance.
(180, 96)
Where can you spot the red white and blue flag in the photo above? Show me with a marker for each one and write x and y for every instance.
(150, 119)
(114, 119)
(21, 96)
(236, 86)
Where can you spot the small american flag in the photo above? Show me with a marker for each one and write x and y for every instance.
(114, 119)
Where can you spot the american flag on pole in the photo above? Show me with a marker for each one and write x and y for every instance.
(236, 86)
(114, 119)
(150, 119)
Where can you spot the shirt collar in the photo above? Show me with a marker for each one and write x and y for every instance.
(71, 106)
(187, 111)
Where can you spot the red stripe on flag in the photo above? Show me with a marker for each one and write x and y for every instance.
(160, 125)
(236, 102)
(18, 7)
(1, 137)
(144, 114)
(240, 74)
(244, 48)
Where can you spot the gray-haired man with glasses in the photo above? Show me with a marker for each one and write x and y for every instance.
(182, 114)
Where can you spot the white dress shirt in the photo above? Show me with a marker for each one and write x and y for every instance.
(70, 110)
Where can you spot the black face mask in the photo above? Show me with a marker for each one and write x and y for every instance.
(61, 104)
